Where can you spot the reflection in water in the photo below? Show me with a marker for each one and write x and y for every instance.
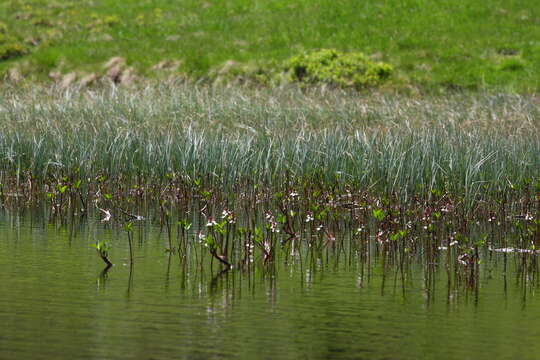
(335, 303)
(130, 281)
(104, 274)
(101, 281)
(168, 272)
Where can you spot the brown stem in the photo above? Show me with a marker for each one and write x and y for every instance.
(221, 258)
(287, 227)
(104, 257)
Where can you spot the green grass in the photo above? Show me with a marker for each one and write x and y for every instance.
(432, 45)
(469, 146)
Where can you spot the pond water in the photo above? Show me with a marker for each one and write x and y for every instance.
(55, 303)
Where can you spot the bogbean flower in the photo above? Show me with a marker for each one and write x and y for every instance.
(274, 227)
(273, 223)
(228, 215)
(211, 222)
(464, 259)
(201, 237)
(249, 249)
(448, 208)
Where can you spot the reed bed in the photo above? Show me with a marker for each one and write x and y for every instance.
(244, 177)
(469, 146)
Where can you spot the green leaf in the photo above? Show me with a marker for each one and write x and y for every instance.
(398, 235)
(379, 214)
(101, 246)
(206, 194)
(210, 242)
(258, 235)
(241, 231)
(184, 224)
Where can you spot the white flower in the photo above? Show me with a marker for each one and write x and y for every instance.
(201, 237)
(228, 215)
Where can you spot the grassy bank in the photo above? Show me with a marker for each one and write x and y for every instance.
(431, 45)
(467, 146)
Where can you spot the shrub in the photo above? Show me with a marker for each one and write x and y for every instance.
(341, 69)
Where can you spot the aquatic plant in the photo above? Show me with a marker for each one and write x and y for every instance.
(282, 176)
(102, 248)
(129, 230)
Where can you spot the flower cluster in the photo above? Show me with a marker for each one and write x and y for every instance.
(228, 216)
(272, 220)
(211, 222)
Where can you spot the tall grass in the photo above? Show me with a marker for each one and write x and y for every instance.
(468, 146)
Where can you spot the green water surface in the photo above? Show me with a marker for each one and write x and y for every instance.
(56, 304)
